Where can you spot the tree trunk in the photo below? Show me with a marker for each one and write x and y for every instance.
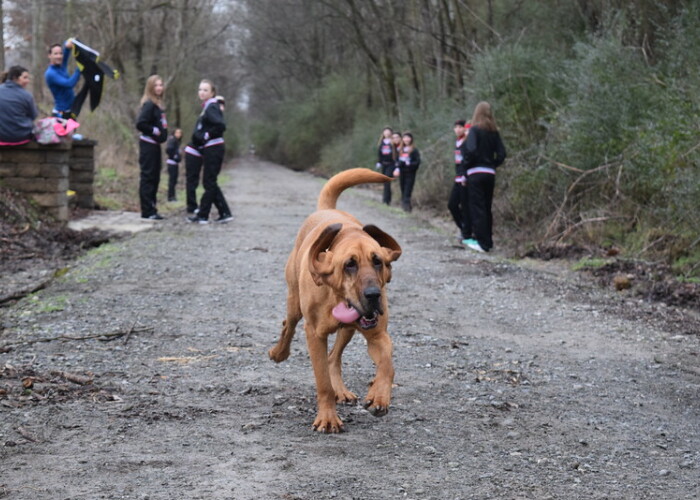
(2, 40)
(38, 60)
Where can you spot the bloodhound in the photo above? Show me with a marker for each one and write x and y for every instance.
(336, 276)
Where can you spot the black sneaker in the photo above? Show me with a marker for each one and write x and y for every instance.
(223, 219)
(153, 217)
(198, 220)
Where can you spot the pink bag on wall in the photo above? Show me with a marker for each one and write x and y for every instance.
(44, 132)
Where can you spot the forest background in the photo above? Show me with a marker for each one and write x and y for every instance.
(597, 100)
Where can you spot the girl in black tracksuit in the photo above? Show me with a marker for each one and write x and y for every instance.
(458, 203)
(153, 126)
(208, 139)
(193, 170)
(484, 153)
(409, 161)
(172, 149)
(386, 161)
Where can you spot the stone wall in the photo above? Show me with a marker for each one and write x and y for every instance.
(82, 172)
(45, 173)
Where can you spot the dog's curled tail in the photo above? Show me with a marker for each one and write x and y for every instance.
(346, 179)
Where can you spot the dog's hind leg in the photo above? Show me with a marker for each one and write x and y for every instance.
(281, 351)
(342, 394)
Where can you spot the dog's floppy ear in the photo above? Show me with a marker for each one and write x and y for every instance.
(386, 241)
(321, 262)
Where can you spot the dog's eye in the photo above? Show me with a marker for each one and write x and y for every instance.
(351, 266)
(377, 262)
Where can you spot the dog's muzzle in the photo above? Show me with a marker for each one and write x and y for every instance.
(372, 307)
(369, 322)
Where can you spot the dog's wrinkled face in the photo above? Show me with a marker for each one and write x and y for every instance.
(357, 269)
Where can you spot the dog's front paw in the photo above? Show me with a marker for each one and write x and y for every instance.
(376, 410)
(278, 354)
(328, 422)
(346, 397)
(377, 401)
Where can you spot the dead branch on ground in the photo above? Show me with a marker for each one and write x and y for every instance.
(104, 337)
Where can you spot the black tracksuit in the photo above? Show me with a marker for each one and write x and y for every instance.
(386, 153)
(193, 169)
(153, 126)
(208, 138)
(484, 153)
(408, 162)
(458, 203)
(172, 149)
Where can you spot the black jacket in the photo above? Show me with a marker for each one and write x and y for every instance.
(150, 117)
(409, 162)
(461, 158)
(93, 71)
(172, 149)
(484, 149)
(386, 153)
(210, 124)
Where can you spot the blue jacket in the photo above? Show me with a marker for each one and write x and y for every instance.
(17, 113)
(61, 83)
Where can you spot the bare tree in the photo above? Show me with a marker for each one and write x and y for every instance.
(2, 39)
(38, 57)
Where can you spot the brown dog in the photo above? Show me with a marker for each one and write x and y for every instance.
(335, 276)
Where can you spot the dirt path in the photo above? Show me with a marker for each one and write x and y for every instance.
(512, 383)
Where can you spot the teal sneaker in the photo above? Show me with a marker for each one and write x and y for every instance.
(474, 245)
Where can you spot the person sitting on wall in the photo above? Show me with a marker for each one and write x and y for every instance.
(17, 108)
(59, 81)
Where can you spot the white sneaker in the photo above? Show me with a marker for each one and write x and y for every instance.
(474, 245)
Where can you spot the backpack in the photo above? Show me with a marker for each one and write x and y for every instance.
(44, 131)
(50, 130)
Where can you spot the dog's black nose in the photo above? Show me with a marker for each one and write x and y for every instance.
(372, 293)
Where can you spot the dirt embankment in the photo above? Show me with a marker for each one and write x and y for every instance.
(142, 373)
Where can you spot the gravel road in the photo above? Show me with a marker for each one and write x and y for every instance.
(513, 380)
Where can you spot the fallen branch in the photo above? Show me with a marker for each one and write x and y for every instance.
(562, 206)
(128, 334)
(72, 377)
(572, 228)
(105, 337)
(23, 293)
(27, 435)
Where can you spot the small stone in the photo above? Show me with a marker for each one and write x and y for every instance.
(621, 282)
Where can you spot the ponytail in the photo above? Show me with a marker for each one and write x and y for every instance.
(13, 73)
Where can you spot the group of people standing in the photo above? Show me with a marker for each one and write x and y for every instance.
(204, 154)
(17, 107)
(398, 157)
(478, 151)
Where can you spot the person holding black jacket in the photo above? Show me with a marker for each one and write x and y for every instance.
(208, 139)
(484, 153)
(172, 149)
(153, 126)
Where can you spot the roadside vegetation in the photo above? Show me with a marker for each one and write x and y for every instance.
(597, 100)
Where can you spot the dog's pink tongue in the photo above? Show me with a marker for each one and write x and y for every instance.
(344, 313)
